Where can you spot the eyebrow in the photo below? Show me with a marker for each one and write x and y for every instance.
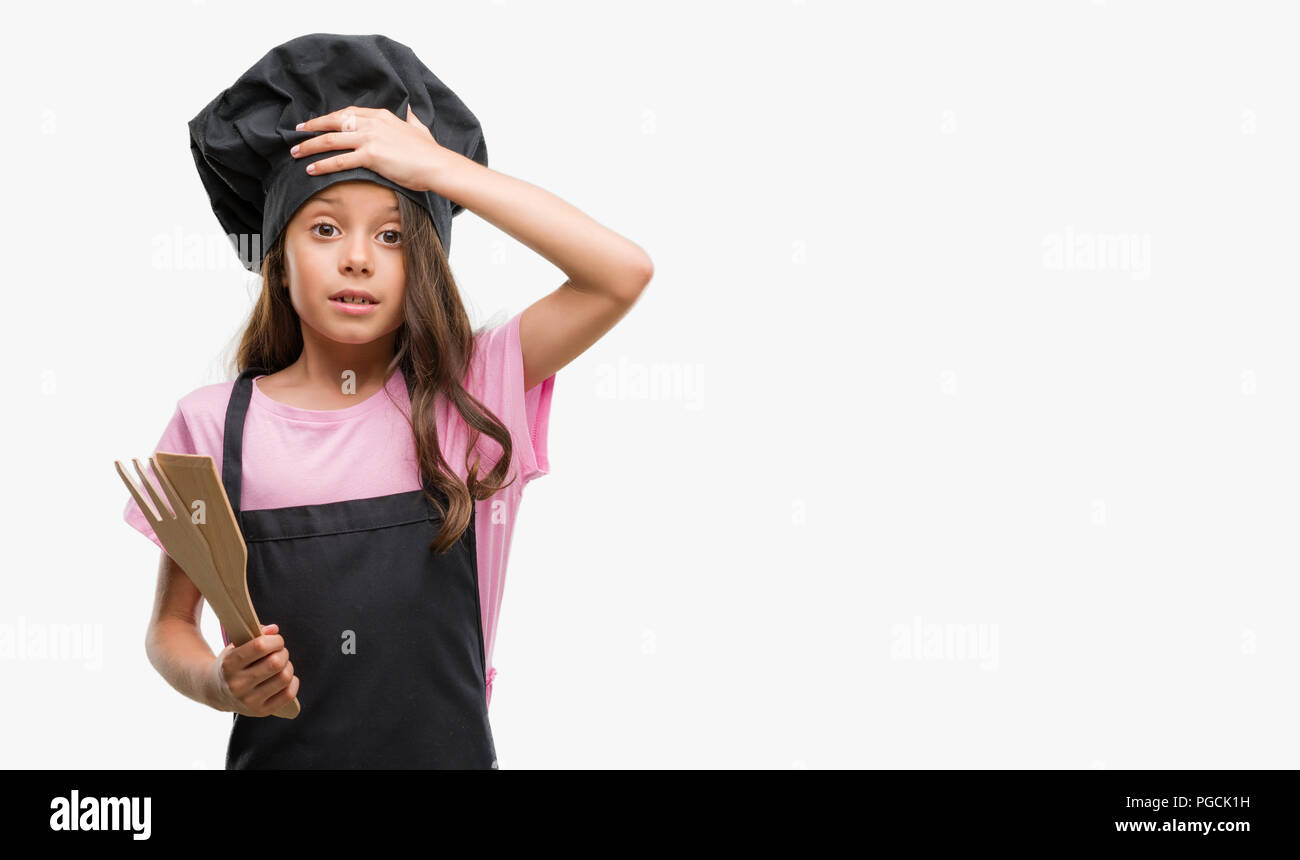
(335, 201)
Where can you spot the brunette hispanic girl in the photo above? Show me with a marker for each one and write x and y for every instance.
(373, 445)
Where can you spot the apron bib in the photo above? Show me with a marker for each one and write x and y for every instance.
(385, 637)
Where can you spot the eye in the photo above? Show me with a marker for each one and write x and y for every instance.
(397, 233)
(324, 224)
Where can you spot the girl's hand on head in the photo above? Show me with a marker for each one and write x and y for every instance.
(402, 150)
(256, 678)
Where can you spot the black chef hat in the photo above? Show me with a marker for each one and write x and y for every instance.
(240, 141)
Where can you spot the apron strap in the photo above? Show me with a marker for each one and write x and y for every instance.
(232, 448)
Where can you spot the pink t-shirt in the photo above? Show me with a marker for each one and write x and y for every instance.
(298, 456)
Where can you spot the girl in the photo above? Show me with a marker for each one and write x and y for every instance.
(374, 448)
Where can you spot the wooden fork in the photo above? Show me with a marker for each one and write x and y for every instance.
(186, 543)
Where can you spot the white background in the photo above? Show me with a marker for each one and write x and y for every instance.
(884, 413)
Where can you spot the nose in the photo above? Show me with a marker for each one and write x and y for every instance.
(356, 258)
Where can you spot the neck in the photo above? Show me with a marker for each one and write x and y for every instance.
(327, 365)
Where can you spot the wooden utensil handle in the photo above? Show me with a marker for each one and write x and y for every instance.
(195, 478)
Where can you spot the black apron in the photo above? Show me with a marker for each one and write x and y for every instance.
(385, 637)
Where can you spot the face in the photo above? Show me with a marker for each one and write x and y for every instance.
(347, 239)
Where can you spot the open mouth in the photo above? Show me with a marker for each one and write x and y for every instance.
(354, 300)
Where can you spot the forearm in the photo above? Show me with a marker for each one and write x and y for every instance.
(177, 649)
(591, 255)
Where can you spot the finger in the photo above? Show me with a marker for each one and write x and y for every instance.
(268, 688)
(346, 161)
(277, 699)
(333, 119)
(269, 666)
(257, 648)
(325, 143)
(414, 120)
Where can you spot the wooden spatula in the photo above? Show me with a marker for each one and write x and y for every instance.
(212, 553)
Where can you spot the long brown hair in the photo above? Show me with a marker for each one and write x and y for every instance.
(433, 348)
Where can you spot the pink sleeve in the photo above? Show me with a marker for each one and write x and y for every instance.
(176, 439)
(498, 381)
